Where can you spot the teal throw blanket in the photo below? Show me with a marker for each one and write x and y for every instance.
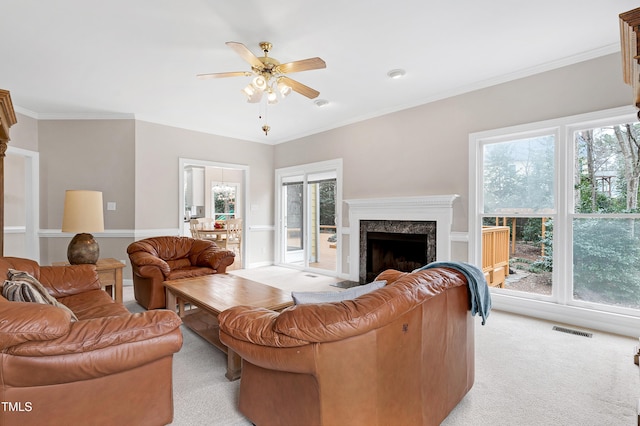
(478, 288)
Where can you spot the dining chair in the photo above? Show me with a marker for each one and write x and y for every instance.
(233, 237)
(200, 226)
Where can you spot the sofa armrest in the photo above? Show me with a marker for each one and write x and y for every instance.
(216, 258)
(24, 321)
(255, 325)
(142, 261)
(67, 280)
(99, 333)
(390, 276)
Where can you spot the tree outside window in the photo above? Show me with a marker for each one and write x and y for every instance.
(606, 241)
(224, 201)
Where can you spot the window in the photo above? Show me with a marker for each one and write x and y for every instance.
(567, 191)
(518, 192)
(606, 236)
(224, 201)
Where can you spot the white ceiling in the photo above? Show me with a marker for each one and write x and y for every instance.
(139, 58)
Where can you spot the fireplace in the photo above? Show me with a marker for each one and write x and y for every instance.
(430, 217)
(395, 244)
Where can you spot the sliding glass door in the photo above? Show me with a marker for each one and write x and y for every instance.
(308, 219)
(293, 220)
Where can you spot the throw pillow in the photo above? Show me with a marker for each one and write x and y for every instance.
(302, 297)
(22, 287)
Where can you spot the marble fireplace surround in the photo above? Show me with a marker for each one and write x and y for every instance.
(437, 208)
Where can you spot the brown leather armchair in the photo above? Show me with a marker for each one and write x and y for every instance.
(400, 355)
(158, 259)
(110, 367)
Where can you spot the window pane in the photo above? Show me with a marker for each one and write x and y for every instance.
(224, 201)
(517, 253)
(294, 215)
(518, 176)
(607, 170)
(606, 253)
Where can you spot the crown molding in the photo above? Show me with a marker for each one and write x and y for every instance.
(86, 116)
(74, 115)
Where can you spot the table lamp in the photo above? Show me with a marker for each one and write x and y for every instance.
(83, 215)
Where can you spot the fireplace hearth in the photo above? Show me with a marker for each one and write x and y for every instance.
(395, 244)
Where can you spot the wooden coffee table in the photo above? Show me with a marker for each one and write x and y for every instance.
(212, 294)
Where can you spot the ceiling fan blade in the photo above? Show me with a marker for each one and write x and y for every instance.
(300, 88)
(303, 65)
(224, 74)
(246, 54)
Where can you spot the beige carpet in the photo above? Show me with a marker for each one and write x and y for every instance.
(526, 373)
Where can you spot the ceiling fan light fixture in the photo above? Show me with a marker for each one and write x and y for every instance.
(396, 74)
(283, 88)
(272, 97)
(249, 90)
(259, 83)
(253, 95)
(268, 76)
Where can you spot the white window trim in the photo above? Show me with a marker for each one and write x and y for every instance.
(559, 306)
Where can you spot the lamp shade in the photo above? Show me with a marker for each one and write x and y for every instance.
(83, 212)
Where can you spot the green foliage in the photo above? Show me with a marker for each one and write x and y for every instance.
(606, 254)
(531, 230)
(328, 203)
(545, 262)
(519, 174)
(604, 203)
(608, 161)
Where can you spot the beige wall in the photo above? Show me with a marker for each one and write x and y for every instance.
(24, 134)
(86, 154)
(158, 149)
(424, 150)
(418, 151)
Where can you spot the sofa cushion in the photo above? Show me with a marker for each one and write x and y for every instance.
(190, 272)
(93, 304)
(178, 263)
(17, 324)
(23, 287)
(302, 297)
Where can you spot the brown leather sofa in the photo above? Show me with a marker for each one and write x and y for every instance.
(400, 355)
(110, 367)
(158, 259)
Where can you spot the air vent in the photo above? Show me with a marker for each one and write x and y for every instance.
(571, 331)
(310, 276)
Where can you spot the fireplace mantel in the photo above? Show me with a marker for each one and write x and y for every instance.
(438, 208)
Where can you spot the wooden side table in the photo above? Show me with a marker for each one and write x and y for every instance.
(110, 275)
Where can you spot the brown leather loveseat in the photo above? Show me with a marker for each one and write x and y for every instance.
(108, 367)
(400, 355)
(158, 259)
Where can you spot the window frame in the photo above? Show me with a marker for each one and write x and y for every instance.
(236, 189)
(560, 305)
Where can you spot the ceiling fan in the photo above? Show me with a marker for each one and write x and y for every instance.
(269, 74)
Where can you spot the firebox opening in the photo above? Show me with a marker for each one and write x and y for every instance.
(402, 252)
(403, 245)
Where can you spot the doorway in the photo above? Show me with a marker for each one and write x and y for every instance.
(21, 201)
(307, 203)
(209, 189)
